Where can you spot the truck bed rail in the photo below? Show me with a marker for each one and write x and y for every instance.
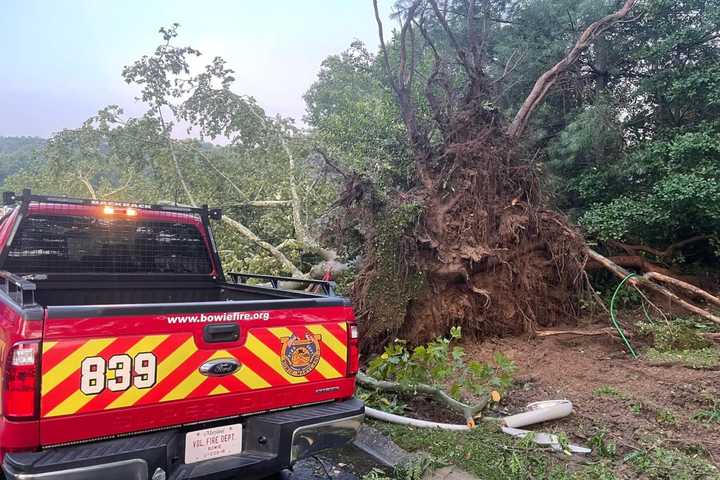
(21, 291)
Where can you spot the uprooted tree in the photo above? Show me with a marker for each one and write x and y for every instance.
(470, 242)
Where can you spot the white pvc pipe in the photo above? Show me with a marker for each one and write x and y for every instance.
(538, 412)
(413, 422)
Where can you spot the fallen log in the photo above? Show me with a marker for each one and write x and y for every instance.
(684, 285)
(642, 281)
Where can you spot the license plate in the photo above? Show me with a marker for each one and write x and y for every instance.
(213, 443)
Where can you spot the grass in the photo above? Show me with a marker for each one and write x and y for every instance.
(607, 391)
(661, 464)
(704, 358)
(708, 416)
(666, 417)
(681, 342)
(488, 454)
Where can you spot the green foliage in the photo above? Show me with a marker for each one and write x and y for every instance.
(355, 116)
(676, 335)
(665, 464)
(18, 153)
(711, 415)
(666, 417)
(637, 161)
(395, 283)
(387, 402)
(439, 363)
(706, 358)
(115, 157)
(491, 455)
(606, 391)
(680, 341)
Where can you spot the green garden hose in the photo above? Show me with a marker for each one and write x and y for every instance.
(614, 320)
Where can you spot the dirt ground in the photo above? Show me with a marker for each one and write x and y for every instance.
(637, 404)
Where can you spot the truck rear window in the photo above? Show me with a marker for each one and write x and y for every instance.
(79, 244)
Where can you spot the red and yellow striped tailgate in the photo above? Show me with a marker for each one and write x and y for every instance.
(90, 375)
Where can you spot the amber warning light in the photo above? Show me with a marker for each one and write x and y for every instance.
(130, 212)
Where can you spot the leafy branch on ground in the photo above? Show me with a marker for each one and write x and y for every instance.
(438, 369)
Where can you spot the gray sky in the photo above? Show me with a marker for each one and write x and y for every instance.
(60, 61)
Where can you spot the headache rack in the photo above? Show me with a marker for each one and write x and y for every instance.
(327, 287)
(51, 254)
(12, 198)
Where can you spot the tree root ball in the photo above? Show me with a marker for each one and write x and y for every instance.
(473, 246)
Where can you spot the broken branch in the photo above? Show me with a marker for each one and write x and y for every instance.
(468, 411)
(638, 282)
(548, 79)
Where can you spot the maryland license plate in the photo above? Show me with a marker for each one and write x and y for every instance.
(213, 443)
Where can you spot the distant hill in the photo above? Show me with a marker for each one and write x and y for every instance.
(17, 153)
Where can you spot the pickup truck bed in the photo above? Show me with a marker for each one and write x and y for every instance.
(117, 320)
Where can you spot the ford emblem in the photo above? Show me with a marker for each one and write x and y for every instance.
(219, 367)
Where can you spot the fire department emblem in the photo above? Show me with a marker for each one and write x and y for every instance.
(300, 356)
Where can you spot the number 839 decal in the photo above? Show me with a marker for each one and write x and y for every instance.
(118, 373)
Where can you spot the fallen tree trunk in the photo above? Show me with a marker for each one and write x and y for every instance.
(684, 285)
(635, 262)
(646, 282)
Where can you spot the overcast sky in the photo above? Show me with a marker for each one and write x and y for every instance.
(60, 61)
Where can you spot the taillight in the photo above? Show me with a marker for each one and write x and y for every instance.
(20, 386)
(353, 362)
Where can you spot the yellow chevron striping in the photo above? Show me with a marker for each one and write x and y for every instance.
(281, 332)
(78, 399)
(192, 381)
(56, 375)
(48, 345)
(330, 340)
(327, 370)
(219, 390)
(270, 358)
(165, 368)
(343, 325)
(250, 378)
(185, 388)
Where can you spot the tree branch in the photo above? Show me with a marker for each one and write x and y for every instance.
(548, 79)
(468, 411)
(461, 53)
(639, 282)
(250, 235)
(662, 254)
(88, 185)
(124, 187)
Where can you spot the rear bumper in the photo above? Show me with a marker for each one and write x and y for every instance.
(271, 442)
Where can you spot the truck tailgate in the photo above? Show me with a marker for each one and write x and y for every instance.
(109, 370)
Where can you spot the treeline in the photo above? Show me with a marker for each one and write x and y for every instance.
(17, 153)
(627, 142)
